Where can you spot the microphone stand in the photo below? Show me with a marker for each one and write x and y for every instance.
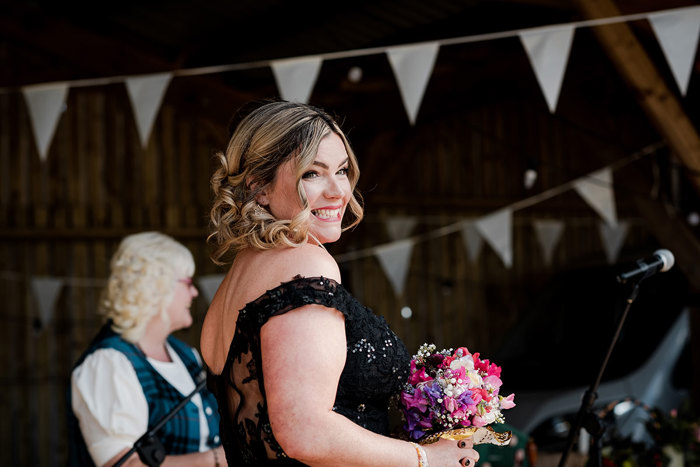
(150, 450)
(585, 417)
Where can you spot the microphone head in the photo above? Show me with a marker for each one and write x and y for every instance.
(666, 258)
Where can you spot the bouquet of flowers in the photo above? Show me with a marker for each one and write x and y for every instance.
(449, 391)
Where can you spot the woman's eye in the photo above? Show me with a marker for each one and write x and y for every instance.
(343, 171)
(310, 174)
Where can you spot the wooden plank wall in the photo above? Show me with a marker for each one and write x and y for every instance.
(65, 216)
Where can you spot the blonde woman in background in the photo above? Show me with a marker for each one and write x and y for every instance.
(134, 372)
(302, 371)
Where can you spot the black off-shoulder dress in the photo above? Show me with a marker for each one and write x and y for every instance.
(376, 367)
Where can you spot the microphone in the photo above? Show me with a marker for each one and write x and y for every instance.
(660, 261)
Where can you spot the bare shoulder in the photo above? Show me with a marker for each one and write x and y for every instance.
(305, 260)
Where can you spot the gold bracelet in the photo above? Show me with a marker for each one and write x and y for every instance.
(422, 457)
(216, 457)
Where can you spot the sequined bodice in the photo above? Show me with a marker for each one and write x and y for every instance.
(376, 366)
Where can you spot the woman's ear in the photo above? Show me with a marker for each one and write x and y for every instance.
(261, 198)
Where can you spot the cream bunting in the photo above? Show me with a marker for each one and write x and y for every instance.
(548, 51)
(471, 239)
(496, 229)
(677, 33)
(613, 237)
(395, 259)
(46, 290)
(209, 284)
(412, 67)
(597, 189)
(146, 95)
(46, 103)
(400, 227)
(548, 233)
(295, 78)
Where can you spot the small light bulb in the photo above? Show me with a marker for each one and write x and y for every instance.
(406, 312)
(355, 74)
(693, 218)
(529, 178)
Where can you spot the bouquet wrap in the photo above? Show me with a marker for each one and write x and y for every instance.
(479, 435)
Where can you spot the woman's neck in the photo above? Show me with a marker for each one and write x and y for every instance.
(316, 241)
(152, 343)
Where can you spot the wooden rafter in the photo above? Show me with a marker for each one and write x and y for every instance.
(637, 69)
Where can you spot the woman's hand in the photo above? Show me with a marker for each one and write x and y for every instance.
(447, 452)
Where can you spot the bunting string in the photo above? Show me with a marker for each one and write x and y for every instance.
(518, 205)
(214, 69)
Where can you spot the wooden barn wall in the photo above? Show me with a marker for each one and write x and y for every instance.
(64, 217)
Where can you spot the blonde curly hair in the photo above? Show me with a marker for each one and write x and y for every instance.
(265, 139)
(143, 274)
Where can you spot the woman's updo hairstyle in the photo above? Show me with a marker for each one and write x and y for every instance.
(267, 137)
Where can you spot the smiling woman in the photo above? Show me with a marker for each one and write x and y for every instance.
(303, 372)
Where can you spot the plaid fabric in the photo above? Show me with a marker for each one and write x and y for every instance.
(180, 435)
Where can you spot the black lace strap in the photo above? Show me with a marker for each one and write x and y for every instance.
(298, 292)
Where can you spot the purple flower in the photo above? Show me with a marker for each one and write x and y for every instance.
(415, 400)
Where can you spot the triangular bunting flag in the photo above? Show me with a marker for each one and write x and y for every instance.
(548, 233)
(597, 189)
(496, 229)
(472, 240)
(296, 77)
(395, 260)
(146, 94)
(209, 285)
(46, 291)
(677, 32)
(45, 103)
(548, 51)
(400, 227)
(413, 66)
(613, 237)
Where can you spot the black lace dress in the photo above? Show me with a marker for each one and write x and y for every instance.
(376, 367)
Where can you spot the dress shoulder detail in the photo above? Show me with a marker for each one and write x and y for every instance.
(296, 293)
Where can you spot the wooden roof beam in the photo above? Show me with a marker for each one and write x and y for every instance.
(637, 69)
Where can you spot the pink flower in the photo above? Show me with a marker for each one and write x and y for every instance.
(446, 362)
(507, 402)
(493, 381)
(418, 377)
(460, 352)
(449, 403)
(478, 421)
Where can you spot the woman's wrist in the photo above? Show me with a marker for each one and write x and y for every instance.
(216, 457)
(422, 456)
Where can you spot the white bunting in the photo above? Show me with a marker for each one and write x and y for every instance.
(548, 50)
(395, 259)
(472, 240)
(209, 284)
(296, 77)
(46, 103)
(412, 67)
(597, 189)
(613, 237)
(146, 94)
(548, 233)
(496, 229)
(400, 227)
(677, 33)
(46, 291)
